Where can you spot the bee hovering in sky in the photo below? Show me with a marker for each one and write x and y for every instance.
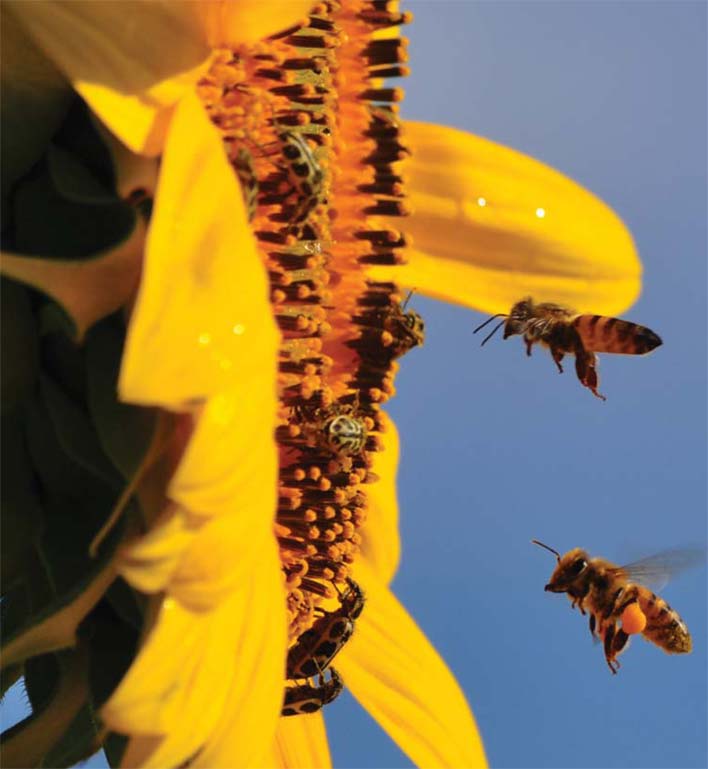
(565, 332)
(618, 602)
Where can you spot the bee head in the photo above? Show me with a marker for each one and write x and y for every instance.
(518, 317)
(570, 567)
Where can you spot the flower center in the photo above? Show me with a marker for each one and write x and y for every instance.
(315, 140)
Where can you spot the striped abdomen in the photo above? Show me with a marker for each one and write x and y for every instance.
(664, 627)
(602, 334)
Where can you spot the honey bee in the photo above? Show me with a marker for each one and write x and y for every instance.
(618, 603)
(405, 326)
(565, 332)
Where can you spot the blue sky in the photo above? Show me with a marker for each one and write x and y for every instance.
(499, 449)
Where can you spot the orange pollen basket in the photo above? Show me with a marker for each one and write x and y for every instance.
(315, 141)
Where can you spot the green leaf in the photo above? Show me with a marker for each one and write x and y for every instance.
(83, 136)
(55, 320)
(73, 181)
(61, 692)
(78, 742)
(63, 360)
(114, 747)
(35, 99)
(21, 524)
(50, 224)
(127, 603)
(125, 431)
(67, 582)
(113, 646)
(42, 675)
(20, 360)
(76, 434)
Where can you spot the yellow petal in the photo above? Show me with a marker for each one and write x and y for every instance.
(88, 289)
(131, 60)
(301, 743)
(208, 678)
(381, 543)
(250, 717)
(225, 486)
(230, 23)
(150, 563)
(396, 674)
(491, 226)
(230, 464)
(203, 318)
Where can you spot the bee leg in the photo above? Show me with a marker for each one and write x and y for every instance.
(627, 600)
(619, 642)
(609, 651)
(557, 357)
(592, 624)
(529, 345)
(586, 369)
(610, 610)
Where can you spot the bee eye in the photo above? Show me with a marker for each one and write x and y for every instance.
(577, 567)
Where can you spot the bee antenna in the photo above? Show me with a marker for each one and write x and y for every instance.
(540, 544)
(492, 332)
(489, 320)
(407, 299)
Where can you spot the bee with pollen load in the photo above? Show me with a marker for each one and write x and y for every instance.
(564, 332)
(618, 602)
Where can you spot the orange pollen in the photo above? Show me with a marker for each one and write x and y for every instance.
(633, 619)
(315, 140)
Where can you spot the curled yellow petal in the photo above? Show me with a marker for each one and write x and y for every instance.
(301, 743)
(150, 563)
(381, 543)
(491, 225)
(209, 681)
(202, 318)
(131, 60)
(230, 465)
(396, 674)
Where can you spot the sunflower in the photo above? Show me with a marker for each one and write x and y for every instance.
(211, 207)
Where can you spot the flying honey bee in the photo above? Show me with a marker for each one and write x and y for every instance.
(565, 332)
(618, 603)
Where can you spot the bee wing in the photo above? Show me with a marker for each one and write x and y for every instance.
(656, 570)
